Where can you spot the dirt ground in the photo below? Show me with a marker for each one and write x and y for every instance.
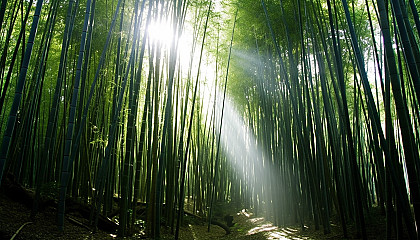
(14, 218)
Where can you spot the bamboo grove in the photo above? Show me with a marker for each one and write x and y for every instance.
(296, 110)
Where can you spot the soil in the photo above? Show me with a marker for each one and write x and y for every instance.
(14, 218)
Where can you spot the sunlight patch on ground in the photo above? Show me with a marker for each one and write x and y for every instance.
(290, 230)
(263, 228)
(270, 231)
(280, 234)
(192, 231)
(273, 232)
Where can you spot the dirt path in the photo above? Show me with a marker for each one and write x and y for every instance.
(199, 232)
(246, 226)
(13, 215)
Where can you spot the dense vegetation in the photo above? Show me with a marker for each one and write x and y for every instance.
(296, 110)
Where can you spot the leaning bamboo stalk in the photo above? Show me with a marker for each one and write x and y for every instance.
(373, 113)
(410, 150)
(65, 174)
(213, 188)
(7, 138)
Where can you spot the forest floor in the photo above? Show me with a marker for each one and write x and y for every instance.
(14, 218)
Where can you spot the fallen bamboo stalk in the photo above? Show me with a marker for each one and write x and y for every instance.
(21, 227)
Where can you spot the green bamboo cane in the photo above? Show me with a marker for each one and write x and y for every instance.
(395, 176)
(72, 115)
(7, 137)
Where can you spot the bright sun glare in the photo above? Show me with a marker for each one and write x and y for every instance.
(161, 32)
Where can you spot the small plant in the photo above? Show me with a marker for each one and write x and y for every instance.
(50, 190)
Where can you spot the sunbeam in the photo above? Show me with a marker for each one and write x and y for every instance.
(243, 152)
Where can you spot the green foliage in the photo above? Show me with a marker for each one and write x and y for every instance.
(297, 136)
